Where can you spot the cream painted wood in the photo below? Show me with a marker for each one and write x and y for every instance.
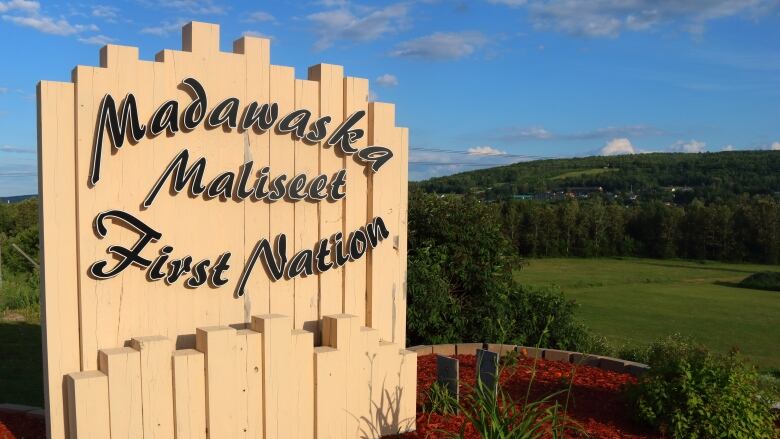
(219, 344)
(383, 276)
(399, 326)
(249, 372)
(368, 385)
(123, 368)
(306, 215)
(156, 385)
(279, 408)
(256, 52)
(302, 386)
(355, 204)
(330, 400)
(59, 283)
(331, 80)
(282, 155)
(189, 394)
(83, 315)
(88, 402)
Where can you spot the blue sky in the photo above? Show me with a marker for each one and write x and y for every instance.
(478, 82)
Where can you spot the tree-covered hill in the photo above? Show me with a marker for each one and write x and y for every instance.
(707, 176)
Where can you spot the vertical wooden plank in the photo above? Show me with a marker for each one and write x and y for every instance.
(88, 402)
(384, 202)
(123, 368)
(367, 384)
(249, 373)
(306, 215)
(355, 204)
(331, 79)
(59, 269)
(342, 332)
(156, 385)
(279, 414)
(218, 344)
(302, 389)
(189, 391)
(408, 391)
(399, 326)
(330, 401)
(257, 53)
(282, 161)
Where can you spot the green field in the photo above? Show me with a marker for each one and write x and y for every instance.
(634, 301)
(583, 173)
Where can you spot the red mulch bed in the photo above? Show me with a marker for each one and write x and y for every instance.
(596, 402)
(21, 426)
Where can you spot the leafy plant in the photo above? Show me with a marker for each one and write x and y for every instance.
(692, 392)
(439, 400)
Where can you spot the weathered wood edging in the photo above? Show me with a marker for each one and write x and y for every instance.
(599, 361)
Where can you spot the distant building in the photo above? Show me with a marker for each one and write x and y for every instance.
(584, 191)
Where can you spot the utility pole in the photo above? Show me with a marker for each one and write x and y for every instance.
(32, 261)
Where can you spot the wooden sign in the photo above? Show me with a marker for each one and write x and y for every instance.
(224, 248)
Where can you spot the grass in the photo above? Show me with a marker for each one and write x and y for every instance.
(635, 301)
(21, 367)
(582, 173)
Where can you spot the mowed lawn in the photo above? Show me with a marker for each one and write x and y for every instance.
(633, 301)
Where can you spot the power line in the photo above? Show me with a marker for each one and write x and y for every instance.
(458, 164)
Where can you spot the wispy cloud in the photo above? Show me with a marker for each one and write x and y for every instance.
(387, 80)
(344, 24)
(49, 25)
(259, 17)
(609, 18)
(516, 134)
(27, 6)
(98, 40)
(164, 28)
(16, 149)
(198, 7)
(441, 46)
(108, 13)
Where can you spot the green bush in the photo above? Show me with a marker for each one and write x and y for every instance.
(690, 392)
(765, 280)
(461, 287)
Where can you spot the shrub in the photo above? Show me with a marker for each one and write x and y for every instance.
(765, 280)
(461, 286)
(692, 392)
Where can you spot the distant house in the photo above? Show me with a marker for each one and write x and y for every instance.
(523, 197)
(584, 191)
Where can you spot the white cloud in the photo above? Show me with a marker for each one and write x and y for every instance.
(688, 146)
(387, 80)
(27, 6)
(3, 90)
(49, 25)
(202, 7)
(343, 24)
(98, 40)
(728, 148)
(618, 146)
(372, 96)
(441, 46)
(485, 150)
(106, 12)
(259, 17)
(775, 146)
(164, 28)
(608, 18)
(252, 33)
(16, 149)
